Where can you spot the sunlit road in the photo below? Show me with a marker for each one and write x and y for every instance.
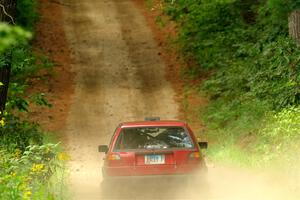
(120, 77)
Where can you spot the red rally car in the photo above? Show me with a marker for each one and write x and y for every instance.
(152, 148)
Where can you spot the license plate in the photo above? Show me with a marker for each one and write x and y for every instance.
(154, 159)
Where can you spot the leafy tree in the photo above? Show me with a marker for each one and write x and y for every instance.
(7, 9)
(11, 36)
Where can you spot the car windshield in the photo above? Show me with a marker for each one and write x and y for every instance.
(153, 138)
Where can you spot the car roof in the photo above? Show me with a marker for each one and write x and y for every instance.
(152, 123)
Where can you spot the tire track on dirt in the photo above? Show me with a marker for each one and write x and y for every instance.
(120, 77)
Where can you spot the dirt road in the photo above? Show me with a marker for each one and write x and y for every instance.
(120, 77)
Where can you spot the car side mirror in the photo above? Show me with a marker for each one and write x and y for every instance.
(203, 145)
(103, 148)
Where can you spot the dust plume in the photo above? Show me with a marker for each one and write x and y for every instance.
(220, 183)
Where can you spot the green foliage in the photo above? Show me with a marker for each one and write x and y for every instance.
(30, 168)
(208, 29)
(19, 57)
(27, 14)
(283, 126)
(255, 61)
(17, 134)
(275, 138)
(11, 36)
(23, 63)
(16, 100)
(282, 8)
(254, 86)
(272, 76)
(25, 175)
(235, 116)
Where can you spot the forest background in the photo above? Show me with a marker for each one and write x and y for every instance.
(243, 55)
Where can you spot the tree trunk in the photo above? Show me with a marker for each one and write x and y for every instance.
(4, 79)
(7, 11)
(294, 26)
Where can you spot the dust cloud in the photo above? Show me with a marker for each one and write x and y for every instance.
(220, 183)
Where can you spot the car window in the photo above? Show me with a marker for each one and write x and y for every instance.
(153, 138)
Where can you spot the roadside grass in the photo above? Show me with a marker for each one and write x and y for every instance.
(57, 183)
(270, 143)
(250, 136)
(255, 139)
(37, 173)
